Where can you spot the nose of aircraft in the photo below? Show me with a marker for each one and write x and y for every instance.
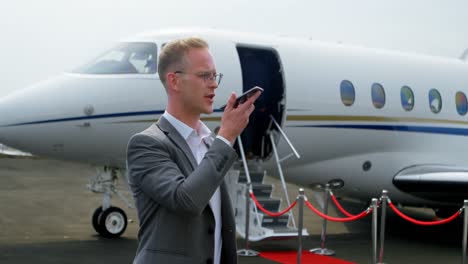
(10, 112)
(6, 118)
(20, 108)
(2, 115)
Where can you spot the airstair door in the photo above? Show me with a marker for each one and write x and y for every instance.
(261, 66)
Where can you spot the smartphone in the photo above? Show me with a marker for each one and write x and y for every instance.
(241, 99)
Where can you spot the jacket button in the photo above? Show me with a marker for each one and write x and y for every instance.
(209, 261)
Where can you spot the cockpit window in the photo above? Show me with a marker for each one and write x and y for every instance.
(125, 58)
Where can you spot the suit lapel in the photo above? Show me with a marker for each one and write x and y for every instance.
(175, 136)
(178, 140)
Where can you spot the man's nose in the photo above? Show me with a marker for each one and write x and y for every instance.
(213, 84)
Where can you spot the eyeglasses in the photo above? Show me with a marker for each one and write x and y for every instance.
(206, 76)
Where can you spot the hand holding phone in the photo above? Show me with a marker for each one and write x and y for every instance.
(236, 114)
(241, 99)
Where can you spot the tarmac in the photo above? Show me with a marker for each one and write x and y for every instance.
(45, 217)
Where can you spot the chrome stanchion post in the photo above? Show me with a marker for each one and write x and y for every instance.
(322, 250)
(247, 252)
(374, 207)
(465, 229)
(382, 225)
(247, 215)
(300, 203)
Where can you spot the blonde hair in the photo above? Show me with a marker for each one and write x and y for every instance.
(173, 54)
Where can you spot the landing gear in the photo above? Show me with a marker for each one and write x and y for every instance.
(110, 223)
(107, 220)
(97, 213)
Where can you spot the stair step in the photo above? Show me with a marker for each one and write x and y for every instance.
(284, 229)
(262, 190)
(280, 221)
(254, 177)
(271, 204)
(270, 227)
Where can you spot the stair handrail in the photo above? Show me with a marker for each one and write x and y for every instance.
(247, 175)
(287, 141)
(244, 159)
(283, 182)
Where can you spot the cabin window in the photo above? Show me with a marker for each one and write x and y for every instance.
(407, 98)
(347, 93)
(378, 95)
(125, 58)
(435, 101)
(461, 103)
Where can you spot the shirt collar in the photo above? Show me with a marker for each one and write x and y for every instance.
(185, 131)
(203, 130)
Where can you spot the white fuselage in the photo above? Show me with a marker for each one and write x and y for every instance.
(89, 118)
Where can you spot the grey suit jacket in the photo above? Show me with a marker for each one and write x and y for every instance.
(172, 193)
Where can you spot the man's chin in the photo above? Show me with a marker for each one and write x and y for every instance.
(208, 110)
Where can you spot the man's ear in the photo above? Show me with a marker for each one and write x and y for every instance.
(172, 81)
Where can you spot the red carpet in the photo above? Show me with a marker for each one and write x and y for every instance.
(290, 257)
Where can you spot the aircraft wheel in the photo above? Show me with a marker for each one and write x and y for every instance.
(112, 222)
(97, 213)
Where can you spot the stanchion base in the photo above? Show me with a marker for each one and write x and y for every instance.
(247, 253)
(322, 251)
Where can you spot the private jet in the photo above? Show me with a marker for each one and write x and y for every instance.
(363, 120)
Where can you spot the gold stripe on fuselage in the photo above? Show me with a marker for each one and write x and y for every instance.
(334, 118)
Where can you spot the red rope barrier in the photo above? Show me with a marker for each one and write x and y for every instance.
(259, 206)
(336, 219)
(424, 223)
(338, 205)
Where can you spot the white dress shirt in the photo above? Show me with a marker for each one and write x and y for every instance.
(198, 139)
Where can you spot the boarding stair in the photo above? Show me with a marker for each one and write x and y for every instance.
(246, 173)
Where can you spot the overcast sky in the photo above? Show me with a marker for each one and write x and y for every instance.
(43, 38)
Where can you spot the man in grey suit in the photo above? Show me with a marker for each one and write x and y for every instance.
(176, 169)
